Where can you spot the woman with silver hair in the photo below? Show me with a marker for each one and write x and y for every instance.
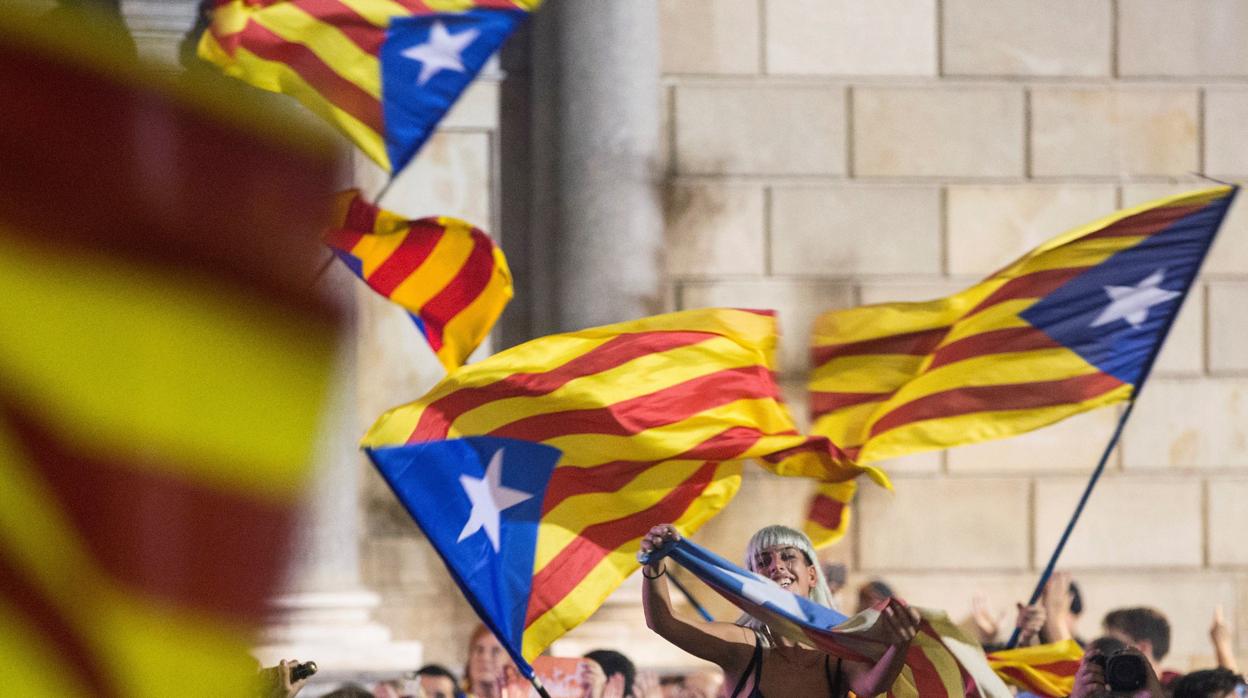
(757, 661)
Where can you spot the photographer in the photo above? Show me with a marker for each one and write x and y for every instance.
(1110, 668)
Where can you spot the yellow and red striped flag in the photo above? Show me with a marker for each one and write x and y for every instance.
(646, 413)
(828, 513)
(1045, 670)
(449, 276)
(383, 72)
(162, 369)
(1073, 325)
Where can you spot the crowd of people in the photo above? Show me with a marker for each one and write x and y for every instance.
(748, 660)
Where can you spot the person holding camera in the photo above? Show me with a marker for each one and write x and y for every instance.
(1109, 668)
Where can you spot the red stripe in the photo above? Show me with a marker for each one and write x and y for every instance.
(1145, 223)
(927, 681)
(820, 444)
(437, 417)
(662, 407)
(827, 512)
(570, 481)
(343, 240)
(1014, 396)
(361, 216)
(1033, 285)
(337, 90)
(570, 565)
(461, 291)
(1061, 668)
(1021, 677)
(422, 236)
(1003, 341)
(45, 619)
(361, 32)
(822, 402)
(167, 538)
(911, 343)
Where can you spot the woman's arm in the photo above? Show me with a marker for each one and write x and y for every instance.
(730, 646)
(901, 625)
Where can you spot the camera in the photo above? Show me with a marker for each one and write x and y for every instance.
(1124, 671)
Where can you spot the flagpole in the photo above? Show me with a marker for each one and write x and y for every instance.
(537, 686)
(1135, 394)
(689, 596)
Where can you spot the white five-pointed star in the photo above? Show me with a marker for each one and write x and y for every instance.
(489, 498)
(441, 52)
(1131, 303)
(762, 590)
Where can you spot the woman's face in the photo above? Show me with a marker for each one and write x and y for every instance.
(486, 659)
(788, 567)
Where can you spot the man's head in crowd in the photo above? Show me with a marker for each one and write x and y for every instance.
(1145, 629)
(1208, 683)
(873, 592)
(436, 681)
(618, 668)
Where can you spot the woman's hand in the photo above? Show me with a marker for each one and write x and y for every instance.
(656, 538)
(901, 623)
(987, 624)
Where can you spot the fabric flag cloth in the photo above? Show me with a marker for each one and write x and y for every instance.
(1073, 325)
(828, 513)
(451, 278)
(478, 501)
(384, 72)
(1045, 670)
(941, 660)
(651, 416)
(162, 372)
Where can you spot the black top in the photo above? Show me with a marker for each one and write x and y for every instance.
(756, 668)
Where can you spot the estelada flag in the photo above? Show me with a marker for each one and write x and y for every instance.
(162, 371)
(1073, 325)
(383, 73)
(449, 276)
(652, 417)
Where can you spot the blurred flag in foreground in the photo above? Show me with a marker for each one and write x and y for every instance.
(941, 661)
(447, 274)
(1045, 670)
(162, 369)
(384, 73)
(1073, 325)
(828, 513)
(478, 500)
(644, 412)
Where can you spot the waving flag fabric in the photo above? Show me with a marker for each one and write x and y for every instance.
(384, 72)
(1073, 325)
(1045, 670)
(828, 513)
(162, 369)
(449, 276)
(644, 412)
(478, 501)
(941, 661)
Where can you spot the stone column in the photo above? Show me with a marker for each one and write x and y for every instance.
(606, 133)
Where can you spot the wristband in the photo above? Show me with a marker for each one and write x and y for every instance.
(660, 574)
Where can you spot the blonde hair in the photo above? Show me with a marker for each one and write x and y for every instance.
(784, 537)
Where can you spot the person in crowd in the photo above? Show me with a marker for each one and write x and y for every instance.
(351, 690)
(1145, 629)
(757, 661)
(436, 681)
(873, 592)
(1210, 683)
(618, 671)
(487, 664)
(1063, 605)
(702, 683)
(1220, 635)
(1090, 677)
(277, 682)
(836, 575)
(1029, 622)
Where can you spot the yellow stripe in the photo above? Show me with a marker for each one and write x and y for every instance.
(470, 326)
(377, 12)
(885, 320)
(603, 579)
(170, 354)
(373, 250)
(946, 666)
(999, 317)
(847, 426)
(341, 54)
(1079, 254)
(1033, 366)
(866, 373)
(443, 264)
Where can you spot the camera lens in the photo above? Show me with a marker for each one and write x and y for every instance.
(1125, 672)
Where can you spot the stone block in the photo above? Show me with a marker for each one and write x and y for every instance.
(760, 129)
(990, 226)
(1228, 519)
(909, 291)
(1184, 350)
(842, 231)
(1230, 250)
(1129, 522)
(945, 524)
(1074, 444)
(797, 303)
(1091, 131)
(1018, 37)
(1226, 110)
(1195, 38)
(710, 38)
(1228, 326)
(715, 228)
(958, 131)
(1188, 423)
(850, 37)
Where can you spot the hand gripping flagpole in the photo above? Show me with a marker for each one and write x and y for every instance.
(1122, 421)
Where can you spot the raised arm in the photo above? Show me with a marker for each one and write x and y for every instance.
(901, 624)
(730, 646)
